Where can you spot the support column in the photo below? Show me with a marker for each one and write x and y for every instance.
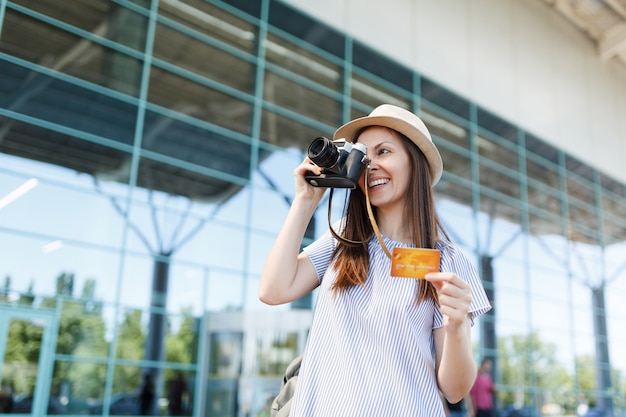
(604, 397)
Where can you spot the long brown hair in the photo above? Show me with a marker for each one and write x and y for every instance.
(352, 262)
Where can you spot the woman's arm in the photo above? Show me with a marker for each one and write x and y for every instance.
(469, 406)
(288, 275)
(456, 370)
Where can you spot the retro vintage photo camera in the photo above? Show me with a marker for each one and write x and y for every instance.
(342, 163)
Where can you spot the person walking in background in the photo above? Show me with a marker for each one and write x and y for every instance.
(483, 390)
(176, 390)
(146, 395)
(583, 405)
(379, 344)
(7, 392)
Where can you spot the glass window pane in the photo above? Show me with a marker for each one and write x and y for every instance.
(580, 189)
(24, 346)
(543, 224)
(443, 98)
(579, 169)
(191, 52)
(613, 213)
(584, 222)
(79, 385)
(377, 64)
(305, 28)
(456, 164)
(581, 312)
(183, 51)
(611, 186)
(496, 125)
(226, 289)
(222, 396)
(585, 263)
(497, 150)
(60, 210)
(226, 354)
(75, 55)
(542, 172)
(185, 286)
(546, 201)
(279, 130)
(275, 191)
(459, 193)
(371, 93)
(193, 100)
(217, 153)
(136, 282)
(234, 211)
(541, 150)
(494, 206)
(181, 340)
(499, 179)
(206, 20)
(131, 337)
(275, 351)
(38, 264)
(179, 390)
(297, 59)
(109, 120)
(127, 384)
(445, 128)
(304, 100)
(83, 327)
(87, 16)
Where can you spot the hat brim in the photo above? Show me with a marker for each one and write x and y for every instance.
(423, 142)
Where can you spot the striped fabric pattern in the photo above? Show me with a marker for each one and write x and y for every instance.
(370, 350)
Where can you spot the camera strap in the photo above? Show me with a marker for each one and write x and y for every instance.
(370, 214)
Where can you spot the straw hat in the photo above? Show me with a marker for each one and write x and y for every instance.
(403, 121)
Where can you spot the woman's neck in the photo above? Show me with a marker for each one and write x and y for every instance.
(393, 225)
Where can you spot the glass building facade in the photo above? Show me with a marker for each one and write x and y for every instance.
(146, 158)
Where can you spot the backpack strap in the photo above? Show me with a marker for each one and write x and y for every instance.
(281, 406)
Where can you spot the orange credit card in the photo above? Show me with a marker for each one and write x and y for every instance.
(414, 262)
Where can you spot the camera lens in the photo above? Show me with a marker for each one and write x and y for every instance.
(323, 152)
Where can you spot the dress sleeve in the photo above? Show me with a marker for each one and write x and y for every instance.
(320, 253)
(454, 259)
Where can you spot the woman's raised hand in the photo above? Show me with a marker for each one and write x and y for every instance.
(303, 188)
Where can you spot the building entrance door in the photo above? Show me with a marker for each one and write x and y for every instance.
(26, 350)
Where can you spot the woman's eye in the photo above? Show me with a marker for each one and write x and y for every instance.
(383, 151)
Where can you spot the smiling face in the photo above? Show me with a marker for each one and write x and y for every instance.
(390, 169)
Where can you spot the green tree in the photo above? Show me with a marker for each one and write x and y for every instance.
(82, 334)
(22, 354)
(6, 290)
(585, 373)
(524, 362)
(180, 345)
(130, 345)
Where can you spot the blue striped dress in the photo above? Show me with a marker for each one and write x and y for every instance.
(370, 350)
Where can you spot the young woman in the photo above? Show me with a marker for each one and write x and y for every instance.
(379, 345)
